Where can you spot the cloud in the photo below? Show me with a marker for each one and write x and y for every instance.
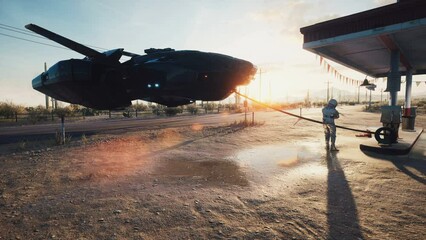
(384, 2)
(289, 16)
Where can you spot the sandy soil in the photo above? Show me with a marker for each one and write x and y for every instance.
(274, 180)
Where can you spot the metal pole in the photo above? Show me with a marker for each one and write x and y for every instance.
(366, 95)
(369, 103)
(328, 91)
(270, 95)
(245, 111)
(359, 89)
(46, 97)
(408, 83)
(63, 129)
(395, 78)
(252, 118)
(53, 100)
(260, 84)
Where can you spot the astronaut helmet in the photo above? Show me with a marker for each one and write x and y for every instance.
(332, 102)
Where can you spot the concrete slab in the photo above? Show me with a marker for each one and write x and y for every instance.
(406, 141)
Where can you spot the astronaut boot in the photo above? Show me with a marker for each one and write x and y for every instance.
(333, 147)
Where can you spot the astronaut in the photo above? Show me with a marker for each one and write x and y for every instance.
(329, 113)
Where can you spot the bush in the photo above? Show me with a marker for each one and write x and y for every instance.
(37, 114)
(8, 109)
(210, 106)
(140, 107)
(89, 111)
(63, 112)
(157, 109)
(172, 111)
(375, 107)
(128, 112)
(232, 106)
(192, 109)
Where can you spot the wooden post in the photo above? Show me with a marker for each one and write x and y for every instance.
(252, 119)
(63, 129)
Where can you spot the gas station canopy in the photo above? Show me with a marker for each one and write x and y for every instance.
(364, 41)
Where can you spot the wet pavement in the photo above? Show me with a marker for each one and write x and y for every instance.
(274, 180)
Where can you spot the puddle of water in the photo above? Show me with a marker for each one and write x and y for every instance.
(269, 157)
(209, 171)
(278, 167)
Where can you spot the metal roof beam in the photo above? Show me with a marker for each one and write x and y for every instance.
(392, 46)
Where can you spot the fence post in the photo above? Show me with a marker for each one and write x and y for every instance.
(252, 119)
(63, 129)
(16, 116)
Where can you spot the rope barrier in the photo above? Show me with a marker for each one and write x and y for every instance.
(297, 116)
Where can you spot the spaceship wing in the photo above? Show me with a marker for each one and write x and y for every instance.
(80, 48)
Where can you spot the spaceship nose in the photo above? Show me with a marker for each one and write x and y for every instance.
(248, 68)
(244, 66)
(246, 72)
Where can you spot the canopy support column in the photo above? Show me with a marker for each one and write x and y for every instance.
(408, 83)
(394, 78)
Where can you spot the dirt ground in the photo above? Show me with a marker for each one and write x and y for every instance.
(274, 180)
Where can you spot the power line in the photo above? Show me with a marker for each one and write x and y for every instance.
(20, 29)
(24, 39)
(29, 33)
(17, 30)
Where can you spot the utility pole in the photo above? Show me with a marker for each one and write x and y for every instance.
(260, 85)
(366, 94)
(270, 95)
(237, 97)
(46, 97)
(358, 92)
(328, 90)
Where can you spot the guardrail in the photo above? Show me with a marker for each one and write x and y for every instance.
(33, 118)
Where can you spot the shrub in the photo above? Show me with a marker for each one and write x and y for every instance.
(37, 114)
(172, 111)
(192, 109)
(210, 106)
(89, 111)
(140, 107)
(128, 112)
(8, 109)
(157, 109)
(63, 112)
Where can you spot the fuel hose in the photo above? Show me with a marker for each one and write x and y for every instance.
(297, 116)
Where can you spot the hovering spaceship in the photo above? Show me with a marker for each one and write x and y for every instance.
(164, 76)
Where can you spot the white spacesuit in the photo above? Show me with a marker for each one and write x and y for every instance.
(329, 113)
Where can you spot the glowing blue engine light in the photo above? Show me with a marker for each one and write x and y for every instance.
(149, 86)
(157, 85)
